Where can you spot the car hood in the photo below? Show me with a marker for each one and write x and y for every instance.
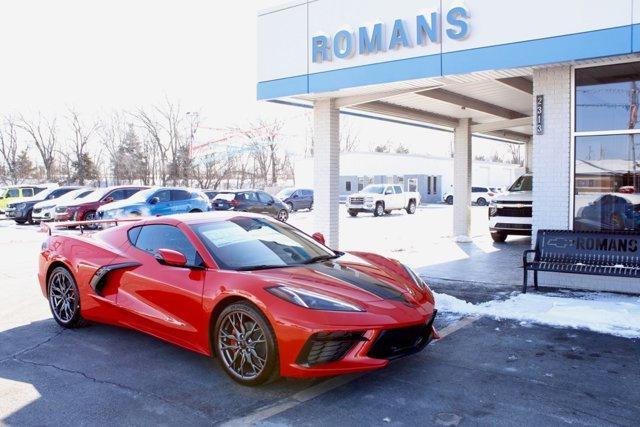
(515, 196)
(350, 277)
(362, 194)
(45, 204)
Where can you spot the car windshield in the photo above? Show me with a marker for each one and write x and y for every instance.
(524, 183)
(377, 189)
(226, 196)
(143, 195)
(95, 195)
(74, 194)
(285, 193)
(246, 243)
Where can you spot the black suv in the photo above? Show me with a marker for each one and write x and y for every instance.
(253, 201)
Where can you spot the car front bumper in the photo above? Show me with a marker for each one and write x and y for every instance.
(16, 214)
(316, 347)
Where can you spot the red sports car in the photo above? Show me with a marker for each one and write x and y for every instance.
(262, 296)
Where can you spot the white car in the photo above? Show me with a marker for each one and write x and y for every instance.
(480, 196)
(381, 199)
(510, 213)
(45, 210)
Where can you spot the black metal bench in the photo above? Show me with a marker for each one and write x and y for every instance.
(583, 252)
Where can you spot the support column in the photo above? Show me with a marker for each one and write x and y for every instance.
(528, 155)
(462, 156)
(326, 169)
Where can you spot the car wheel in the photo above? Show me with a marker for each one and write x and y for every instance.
(195, 211)
(481, 201)
(283, 215)
(90, 216)
(411, 209)
(64, 299)
(290, 205)
(30, 217)
(245, 345)
(379, 210)
(449, 200)
(353, 213)
(20, 221)
(499, 237)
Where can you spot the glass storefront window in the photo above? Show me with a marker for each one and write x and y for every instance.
(607, 161)
(607, 183)
(607, 98)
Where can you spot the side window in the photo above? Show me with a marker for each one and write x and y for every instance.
(347, 186)
(250, 196)
(398, 189)
(13, 192)
(163, 195)
(130, 192)
(153, 237)
(388, 190)
(58, 193)
(116, 195)
(177, 195)
(133, 234)
(27, 192)
(265, 198)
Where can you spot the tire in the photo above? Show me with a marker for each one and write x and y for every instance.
(449, 200)
(64, 299)
(499, 236)
(30, 217)
(20, 221)
(411, 209)
(290, 205)
(230, 344)
(90, 216)
(135, 213)
(353, 213)
(379, 209)
(481, 201)
(283, 215)
(195, 211)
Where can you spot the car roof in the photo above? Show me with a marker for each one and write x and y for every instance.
(199, 218)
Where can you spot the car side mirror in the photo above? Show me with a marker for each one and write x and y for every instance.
(171, 258)
(295, 196)
(386, 193)
(154, 200)
(108, 200)
(318, 237)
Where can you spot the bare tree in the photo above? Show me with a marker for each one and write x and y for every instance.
(81, 134)
(263, 144)
(349, 139)
(43, 133)
(515, 151)
(9, 152)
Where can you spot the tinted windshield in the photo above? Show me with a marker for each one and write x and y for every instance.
(524, 183)
(285, 193)
(378, 189)
(243, 243)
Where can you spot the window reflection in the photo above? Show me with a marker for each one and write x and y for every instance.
(607, 183)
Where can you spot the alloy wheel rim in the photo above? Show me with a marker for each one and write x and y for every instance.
(243, 345)
(282, 216)
(63, 298)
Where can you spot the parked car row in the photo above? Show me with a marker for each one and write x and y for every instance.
(30, 204)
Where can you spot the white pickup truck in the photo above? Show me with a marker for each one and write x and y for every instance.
(382, 199)
(510, 213)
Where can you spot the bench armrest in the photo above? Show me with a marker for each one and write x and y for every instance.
(525, 256)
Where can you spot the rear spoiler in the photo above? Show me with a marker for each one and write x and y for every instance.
(48, 227)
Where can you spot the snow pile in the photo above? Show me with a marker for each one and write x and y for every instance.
(605, 313)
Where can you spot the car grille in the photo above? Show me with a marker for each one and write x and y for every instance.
(327, 347)
(525, 212)
(394, 343)
(503, 225)
(356, 200)
(37, 211)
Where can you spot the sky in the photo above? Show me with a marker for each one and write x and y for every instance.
(97, 56)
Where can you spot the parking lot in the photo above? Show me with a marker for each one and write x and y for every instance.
(484, 370)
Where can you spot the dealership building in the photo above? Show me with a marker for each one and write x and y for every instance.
(560, 77)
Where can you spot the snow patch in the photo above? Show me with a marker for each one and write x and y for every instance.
(605, 313)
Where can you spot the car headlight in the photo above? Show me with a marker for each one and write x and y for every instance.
(493, 208)
(416, 279)
(312, 300)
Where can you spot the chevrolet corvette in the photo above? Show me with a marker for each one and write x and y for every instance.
(263, 297)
